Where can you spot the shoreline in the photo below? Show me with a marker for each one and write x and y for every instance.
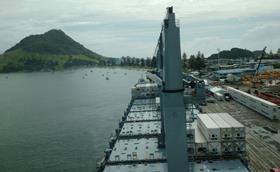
(81, 67)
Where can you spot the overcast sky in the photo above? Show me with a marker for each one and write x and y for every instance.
(131, 27)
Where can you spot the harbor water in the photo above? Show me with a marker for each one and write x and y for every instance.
(60, 121)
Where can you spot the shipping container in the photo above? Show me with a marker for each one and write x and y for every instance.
(238, 129)
(214, 148)
(201, 147)
(227, 147)
(218, 96)
(264, 107)
(144, 90)
(191, 148)
(226, 130)
(239, 146)
(208, 127)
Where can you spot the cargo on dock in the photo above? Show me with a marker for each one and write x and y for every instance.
(209, 128)
(263, 107)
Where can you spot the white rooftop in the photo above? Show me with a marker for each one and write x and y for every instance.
(198, 136)
(219, 120)
(207, 121)
(230, 120)
(143, 85)
(215, 89)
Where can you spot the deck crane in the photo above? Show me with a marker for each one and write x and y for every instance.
(257, 69)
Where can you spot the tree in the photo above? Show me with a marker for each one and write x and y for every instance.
(200, 63)
(142, 62)
(198, 55)
(137, 62)
(192, 62)
(153, 62)
(202, 56)
(128, 61)
(148, 62)
(197, 62)
(184, 61)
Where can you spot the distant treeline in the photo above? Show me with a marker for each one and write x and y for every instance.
(195, 62)
(142, 62)
(238, 53)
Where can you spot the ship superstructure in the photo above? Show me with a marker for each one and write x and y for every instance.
(163, 130)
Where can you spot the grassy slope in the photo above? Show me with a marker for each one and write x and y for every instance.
(18, 59)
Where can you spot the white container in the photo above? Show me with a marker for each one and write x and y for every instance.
(239, 146)
(264, 107)
(208, 127)
(227, 147)
(226, 130)
(214, 148)
(190, 133)
(201, 147)
(218, 96)
(191, 148)
(237, 128)
(144, 90)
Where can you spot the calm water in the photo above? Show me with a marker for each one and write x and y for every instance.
(60, 121)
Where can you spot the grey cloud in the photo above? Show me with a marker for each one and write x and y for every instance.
(131, 27)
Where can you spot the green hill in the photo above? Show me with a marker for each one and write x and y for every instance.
(52, 50)
(234, 53)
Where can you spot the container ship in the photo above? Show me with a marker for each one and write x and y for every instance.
(163, 128)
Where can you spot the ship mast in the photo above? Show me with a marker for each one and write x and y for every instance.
(172, 94)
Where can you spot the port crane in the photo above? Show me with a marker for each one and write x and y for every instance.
(255, 78)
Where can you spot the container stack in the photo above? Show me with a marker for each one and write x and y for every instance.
(211, 132)
(238, 133)
(263, 107)
(225, 136)
(144, 90)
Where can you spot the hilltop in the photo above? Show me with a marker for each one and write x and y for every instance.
(52, 50)
(234, 53)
